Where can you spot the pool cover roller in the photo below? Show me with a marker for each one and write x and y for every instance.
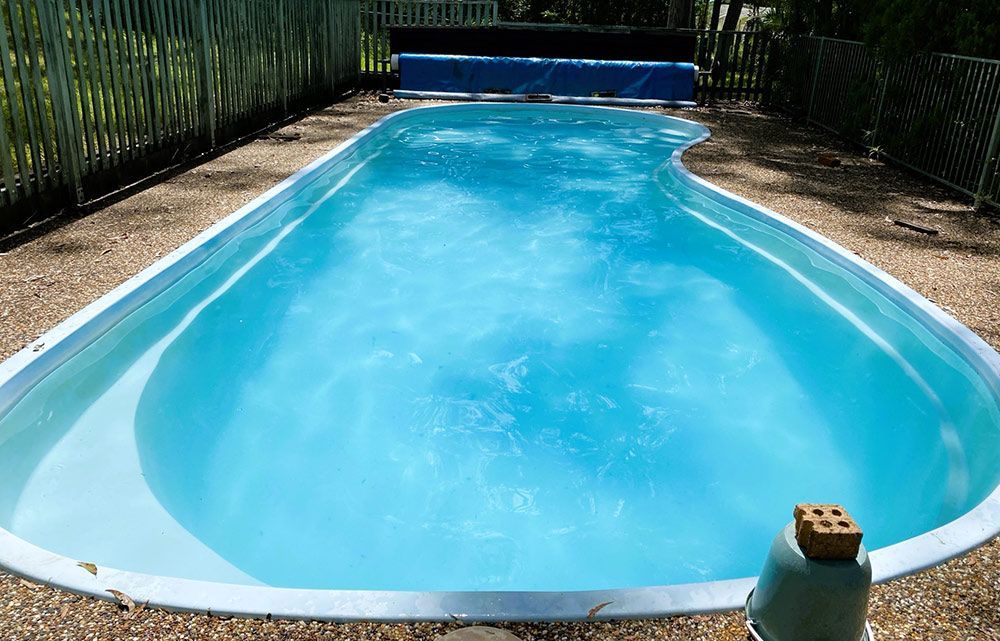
(556, 76)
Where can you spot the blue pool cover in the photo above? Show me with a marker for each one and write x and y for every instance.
(556, 76)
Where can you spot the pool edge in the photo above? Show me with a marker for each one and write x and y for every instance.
(974, 528)
(17, 374)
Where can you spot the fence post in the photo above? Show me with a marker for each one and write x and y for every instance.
(989, 162)
(282, 64)
(495, 13)
(358, 26)
(13, 102)
(812, 91)
(881, 101)
(329, 46)
(58, 71)
(764, 73)
(207, 75)
(7, 171)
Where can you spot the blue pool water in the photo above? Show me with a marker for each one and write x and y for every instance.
(496, 348)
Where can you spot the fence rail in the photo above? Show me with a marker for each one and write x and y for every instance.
(937, 114)
(100, 92)
(378, 15)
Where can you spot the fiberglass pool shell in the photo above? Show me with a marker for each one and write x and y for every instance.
(952, 506)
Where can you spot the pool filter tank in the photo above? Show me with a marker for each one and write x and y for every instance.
(815, 581)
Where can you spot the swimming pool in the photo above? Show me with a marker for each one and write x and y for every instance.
(495, 362)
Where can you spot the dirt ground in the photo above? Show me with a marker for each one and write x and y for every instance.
(53, 270)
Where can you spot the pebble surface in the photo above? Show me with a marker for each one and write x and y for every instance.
(54, 269)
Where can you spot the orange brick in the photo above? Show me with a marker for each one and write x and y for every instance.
(826, 531)
(828, 160)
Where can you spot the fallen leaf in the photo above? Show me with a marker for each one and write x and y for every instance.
(89, 567)
(28, 584)
(124, 600)
(597, 608)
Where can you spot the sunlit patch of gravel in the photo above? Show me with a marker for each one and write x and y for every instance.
(50, 272)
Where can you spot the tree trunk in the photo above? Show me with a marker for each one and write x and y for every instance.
(824, 18)
(681, 14)
(712, 26)
(733, 15)
(722, 51)
(716, 10)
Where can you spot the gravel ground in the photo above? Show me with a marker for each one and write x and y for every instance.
(53, 270)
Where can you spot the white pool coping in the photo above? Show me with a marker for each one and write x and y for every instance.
(22, 371)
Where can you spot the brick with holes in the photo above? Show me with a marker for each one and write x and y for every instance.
(826, 531)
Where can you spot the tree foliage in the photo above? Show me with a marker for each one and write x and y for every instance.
(898, 27)
(638, 13)
(970, 27)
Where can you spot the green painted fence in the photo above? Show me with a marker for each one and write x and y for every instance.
(98, 93)
(937, 114)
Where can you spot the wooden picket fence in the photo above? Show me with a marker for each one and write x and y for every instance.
(733, 65)
(378, 15)
(97, 93)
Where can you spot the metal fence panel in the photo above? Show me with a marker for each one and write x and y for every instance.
(937, 114)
